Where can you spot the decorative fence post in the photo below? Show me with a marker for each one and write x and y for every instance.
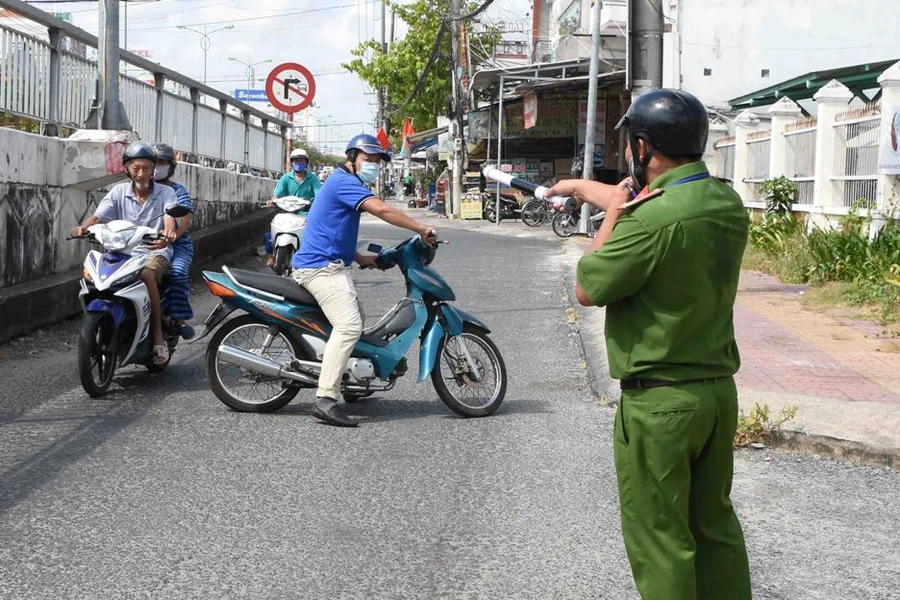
(246, 116)
(717, 131)
(831, 99)
(889, 184)
(784, 112)
(52, 127)
(745, 123)
(160, 80)
(195, 123)
(223, 108)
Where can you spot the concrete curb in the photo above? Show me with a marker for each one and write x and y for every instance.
(51, 299)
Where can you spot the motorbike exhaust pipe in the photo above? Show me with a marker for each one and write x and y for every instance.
(539, 191)
(259, 364)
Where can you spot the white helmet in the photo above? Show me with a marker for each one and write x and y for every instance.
(299, 153)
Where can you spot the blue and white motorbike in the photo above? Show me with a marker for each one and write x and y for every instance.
(259, 361)
(116, 304)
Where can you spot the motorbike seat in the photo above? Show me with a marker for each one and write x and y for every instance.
(280, 286)
(397, 320)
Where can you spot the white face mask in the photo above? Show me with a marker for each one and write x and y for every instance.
(368, 173)
(161, 173)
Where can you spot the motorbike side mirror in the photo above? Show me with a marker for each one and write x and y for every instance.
(177, 211)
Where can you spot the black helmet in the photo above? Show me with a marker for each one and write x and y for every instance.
(368, 144)
(139, 149)
(673, 122)
(167, 153)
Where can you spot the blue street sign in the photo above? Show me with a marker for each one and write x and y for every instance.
(251, 95)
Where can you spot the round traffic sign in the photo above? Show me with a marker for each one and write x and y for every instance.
(290, 87)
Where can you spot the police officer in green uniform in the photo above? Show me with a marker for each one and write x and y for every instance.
(666, 265)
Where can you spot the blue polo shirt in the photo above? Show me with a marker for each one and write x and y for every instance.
(306, 189)
(332, 227)
(184, 199)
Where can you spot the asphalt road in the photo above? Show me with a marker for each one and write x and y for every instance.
(158, 491)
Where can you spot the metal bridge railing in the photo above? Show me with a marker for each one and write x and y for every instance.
(49, 81)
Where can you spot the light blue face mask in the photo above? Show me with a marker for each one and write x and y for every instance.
(299, 167)
(369, 172)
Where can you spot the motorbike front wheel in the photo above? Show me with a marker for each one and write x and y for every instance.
(240, 388)
(283, 255)
(564, 224)
(96, 353)
(534, 213)
(470, 390)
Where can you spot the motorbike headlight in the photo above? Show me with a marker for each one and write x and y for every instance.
(116, 240)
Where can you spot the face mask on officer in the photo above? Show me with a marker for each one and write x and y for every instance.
(637, 167)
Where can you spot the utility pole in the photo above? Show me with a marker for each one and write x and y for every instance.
(382, 99)
(456, 123)
(108, 112)
(645, 46)
(590, 127)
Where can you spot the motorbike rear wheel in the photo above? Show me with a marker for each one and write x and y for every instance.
(470, 390)
(283, 255)
(244, 390)
(96, 353)
(565, 224)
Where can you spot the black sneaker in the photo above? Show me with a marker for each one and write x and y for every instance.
(332, 414)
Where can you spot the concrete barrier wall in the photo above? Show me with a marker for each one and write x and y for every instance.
(49, 185)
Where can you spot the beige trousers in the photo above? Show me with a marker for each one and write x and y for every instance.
(333, 289)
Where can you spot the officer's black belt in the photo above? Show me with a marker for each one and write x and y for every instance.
(645, 384)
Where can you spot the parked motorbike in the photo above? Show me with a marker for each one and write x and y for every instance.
(287, 231)
(509, 207)
(116, 304)
(259, 361)
(565, 224)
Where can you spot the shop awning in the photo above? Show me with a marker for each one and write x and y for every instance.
(565, 69)
(429, 134)
(857, 78)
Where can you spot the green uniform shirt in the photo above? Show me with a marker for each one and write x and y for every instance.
(668, 277)
(288, 186)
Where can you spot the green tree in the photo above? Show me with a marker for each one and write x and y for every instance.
(399, 69)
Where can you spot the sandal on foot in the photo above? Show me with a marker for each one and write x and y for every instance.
(160, 355)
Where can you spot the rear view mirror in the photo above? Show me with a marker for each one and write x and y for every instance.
(177, 211)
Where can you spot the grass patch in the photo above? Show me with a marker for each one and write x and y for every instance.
(759, 426)
(852, 265)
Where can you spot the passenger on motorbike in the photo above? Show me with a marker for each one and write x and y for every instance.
(182, 246)
(298, 182)
(322, 264)
(142, 203)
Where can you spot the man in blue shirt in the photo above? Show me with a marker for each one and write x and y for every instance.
(299, 182)
(322, 264)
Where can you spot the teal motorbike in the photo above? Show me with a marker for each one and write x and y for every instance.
(260, 360)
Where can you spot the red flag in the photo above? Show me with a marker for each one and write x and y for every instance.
(407, 128)
(383, 138)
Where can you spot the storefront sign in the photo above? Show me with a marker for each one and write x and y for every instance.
(889, 154)
(529, 105)
(470, 208)
(558, 119)
(600, 123)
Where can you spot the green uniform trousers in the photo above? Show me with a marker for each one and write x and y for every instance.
(674, 463)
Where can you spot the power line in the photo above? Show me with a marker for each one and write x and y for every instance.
(245, 19)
